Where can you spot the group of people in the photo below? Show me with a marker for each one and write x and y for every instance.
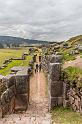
(37, 67)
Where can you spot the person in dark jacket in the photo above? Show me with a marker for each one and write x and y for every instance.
(39, 58)
(40, 67)
(35, 70)
(37, 67)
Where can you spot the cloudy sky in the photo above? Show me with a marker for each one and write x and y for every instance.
(41, 19)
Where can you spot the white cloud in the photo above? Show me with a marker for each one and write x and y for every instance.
(41, 19)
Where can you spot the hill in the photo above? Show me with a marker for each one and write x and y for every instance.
(75, 40)
(18, 40)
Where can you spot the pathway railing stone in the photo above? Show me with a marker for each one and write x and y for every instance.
(52, 65)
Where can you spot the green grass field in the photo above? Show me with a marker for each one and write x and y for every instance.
(62, 115)
(13, 53)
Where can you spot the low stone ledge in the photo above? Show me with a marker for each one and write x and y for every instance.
(18, 68)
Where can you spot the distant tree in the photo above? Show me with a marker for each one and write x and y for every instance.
(1, 45)
(15, 45)
(8, 45)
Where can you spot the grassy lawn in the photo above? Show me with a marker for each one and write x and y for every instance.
(12, 53)
(62, 115)
(6, 70)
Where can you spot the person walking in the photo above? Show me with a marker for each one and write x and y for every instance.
(36, 67)
(39, 58)
(35, 70)
(40, 67)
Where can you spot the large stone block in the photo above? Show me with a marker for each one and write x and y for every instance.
(52, 102)
(65, 90)
(10, 80)
(0, 113)
(5, 109)
(55, 71)
(12, 105)
(19, 68)
(65, 103)
(5, 98)
(56, 88)
(21, 102)
(5, 102)
(22, 84)
(60, 101)
(55, 101)
(11, 92)
(55, 59)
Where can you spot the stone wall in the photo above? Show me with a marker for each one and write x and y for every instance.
(52, 66)
(45, 63)
(54, 81)
(59, 88)
(55, 85)
(72, 96)
(16, 96)
(2, 85)
(8, 96)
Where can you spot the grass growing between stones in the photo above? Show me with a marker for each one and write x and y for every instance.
(62, 115)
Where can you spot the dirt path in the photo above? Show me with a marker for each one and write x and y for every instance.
(37, 112)
(75, 63)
